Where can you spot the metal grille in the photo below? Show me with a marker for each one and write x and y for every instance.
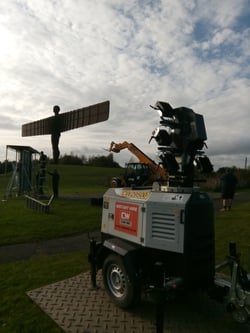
(163, 226)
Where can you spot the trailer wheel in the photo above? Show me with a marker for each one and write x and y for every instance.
(117, 283)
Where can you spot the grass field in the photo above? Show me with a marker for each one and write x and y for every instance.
(71, 216)
(233, 226)
(74, 179)
(17, 312)
(67, 217)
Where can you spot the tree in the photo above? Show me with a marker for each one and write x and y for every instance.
(103, 161)
(71, 159)
(6, 166)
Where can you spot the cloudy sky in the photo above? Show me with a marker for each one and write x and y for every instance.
(74, 53)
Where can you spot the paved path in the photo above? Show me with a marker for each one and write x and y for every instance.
(16, 252)
(24, 251)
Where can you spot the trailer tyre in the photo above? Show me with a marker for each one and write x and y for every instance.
(117, 282)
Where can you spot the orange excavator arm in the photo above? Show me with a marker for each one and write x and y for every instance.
(142, 157)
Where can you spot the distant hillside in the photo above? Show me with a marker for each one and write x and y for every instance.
(74, 179)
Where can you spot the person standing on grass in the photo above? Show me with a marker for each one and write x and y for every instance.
(228, 186)
(55, 182)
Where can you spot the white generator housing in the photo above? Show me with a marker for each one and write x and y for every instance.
(153, 219)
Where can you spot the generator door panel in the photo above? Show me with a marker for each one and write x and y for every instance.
(165, 222)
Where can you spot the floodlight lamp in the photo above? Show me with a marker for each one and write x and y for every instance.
(165, 108)
(162, 137)
(154, 134)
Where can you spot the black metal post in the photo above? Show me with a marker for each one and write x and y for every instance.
(159, 315)
(92, 261)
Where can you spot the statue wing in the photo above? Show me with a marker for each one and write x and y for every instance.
(69, 120)
(39, 127)
(85, 116)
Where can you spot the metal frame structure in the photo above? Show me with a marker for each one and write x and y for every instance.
(21, 179)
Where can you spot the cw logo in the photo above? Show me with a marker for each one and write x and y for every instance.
(125, 215)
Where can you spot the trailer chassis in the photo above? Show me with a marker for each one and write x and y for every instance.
(235, 287)
(232, 289)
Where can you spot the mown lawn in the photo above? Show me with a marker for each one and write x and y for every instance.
(70, 214)
(233, 226)
(18, 314)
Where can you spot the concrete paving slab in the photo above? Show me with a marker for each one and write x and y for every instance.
(77, 308)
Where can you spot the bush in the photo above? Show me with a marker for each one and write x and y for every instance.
(71, 159)
(103, 161)
(213, 182)
(6, 167)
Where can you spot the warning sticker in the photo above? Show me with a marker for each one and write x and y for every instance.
(126, 218)
(140, 195)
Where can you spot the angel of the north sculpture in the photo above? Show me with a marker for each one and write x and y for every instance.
(58, 123)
